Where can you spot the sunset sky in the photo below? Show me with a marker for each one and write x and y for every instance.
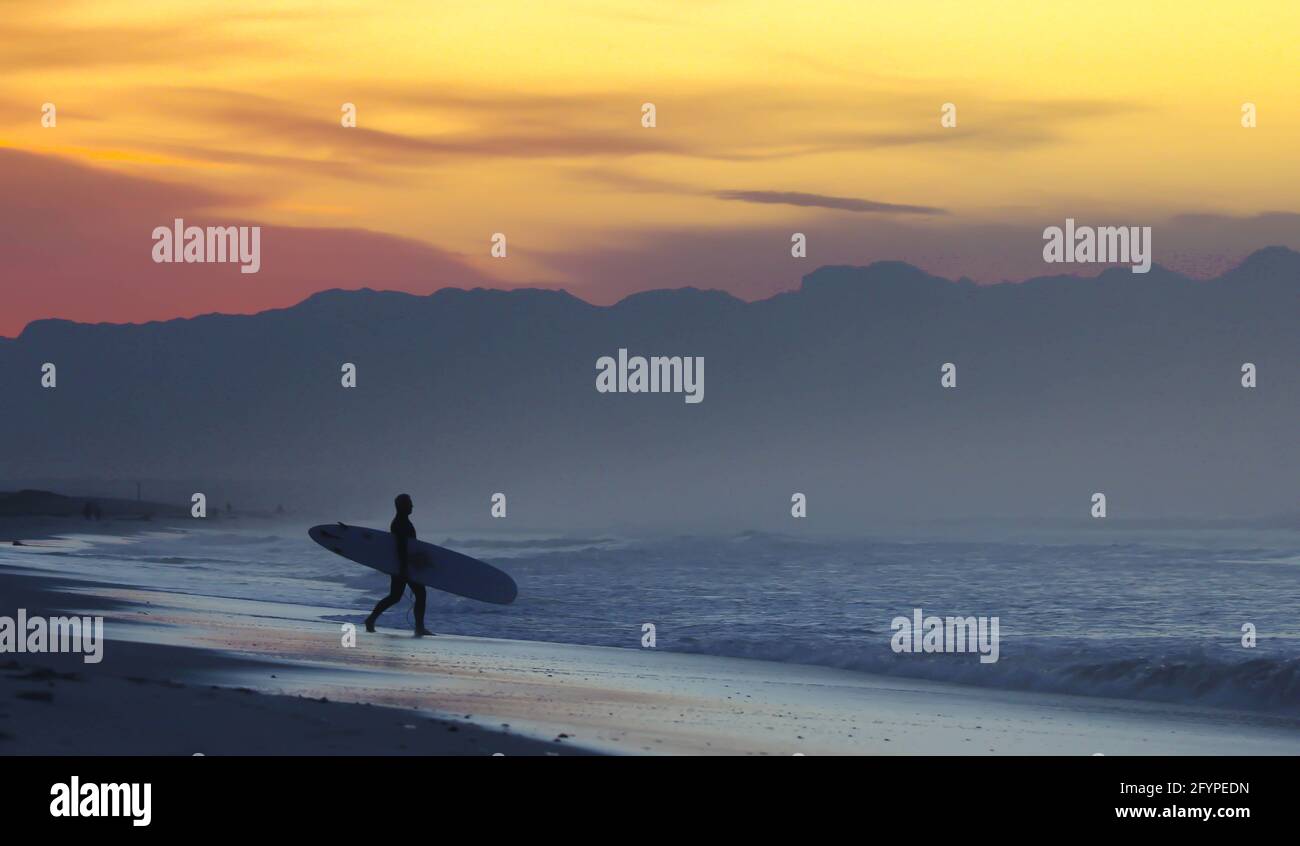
(525, 118)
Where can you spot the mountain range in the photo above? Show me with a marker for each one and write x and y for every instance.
(1126, 384)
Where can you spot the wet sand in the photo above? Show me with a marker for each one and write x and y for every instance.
(157, 699)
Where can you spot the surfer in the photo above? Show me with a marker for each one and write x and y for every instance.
(403, 532)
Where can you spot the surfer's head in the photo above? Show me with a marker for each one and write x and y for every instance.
(404, 504)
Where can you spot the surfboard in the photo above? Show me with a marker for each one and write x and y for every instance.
(430, 565)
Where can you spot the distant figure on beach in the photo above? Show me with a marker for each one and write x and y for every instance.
(403, 532)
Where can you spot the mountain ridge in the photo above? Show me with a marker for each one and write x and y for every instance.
(1272, 262)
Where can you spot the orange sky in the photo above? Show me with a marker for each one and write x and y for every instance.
(525, 118)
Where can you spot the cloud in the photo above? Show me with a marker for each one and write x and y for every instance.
(331, 168)
(247, 118)
(797, 198)
(49, 47)
(724, 124)
(78, 241)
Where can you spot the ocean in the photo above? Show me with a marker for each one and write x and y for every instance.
(1149, 620)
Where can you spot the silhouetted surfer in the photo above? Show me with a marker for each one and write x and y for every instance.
(403, 532)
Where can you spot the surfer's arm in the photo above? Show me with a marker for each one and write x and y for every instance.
(401, 538)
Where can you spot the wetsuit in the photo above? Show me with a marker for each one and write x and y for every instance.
(403, 532)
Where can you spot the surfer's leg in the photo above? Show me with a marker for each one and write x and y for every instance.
(395, 587)
(420, 596)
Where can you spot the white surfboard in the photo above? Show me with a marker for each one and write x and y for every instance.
(429, 565)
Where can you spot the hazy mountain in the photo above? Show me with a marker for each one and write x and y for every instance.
(32, 503)
(1123, 383)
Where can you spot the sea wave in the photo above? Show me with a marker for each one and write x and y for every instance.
(1193, 676)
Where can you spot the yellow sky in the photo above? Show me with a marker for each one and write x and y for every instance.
(524, 117)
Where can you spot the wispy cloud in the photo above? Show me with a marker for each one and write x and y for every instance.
(798, 198)
(49, 47)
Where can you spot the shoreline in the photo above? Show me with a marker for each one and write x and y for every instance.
(180, 668)
(143, 699)
(32, 530)
(193, 650)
